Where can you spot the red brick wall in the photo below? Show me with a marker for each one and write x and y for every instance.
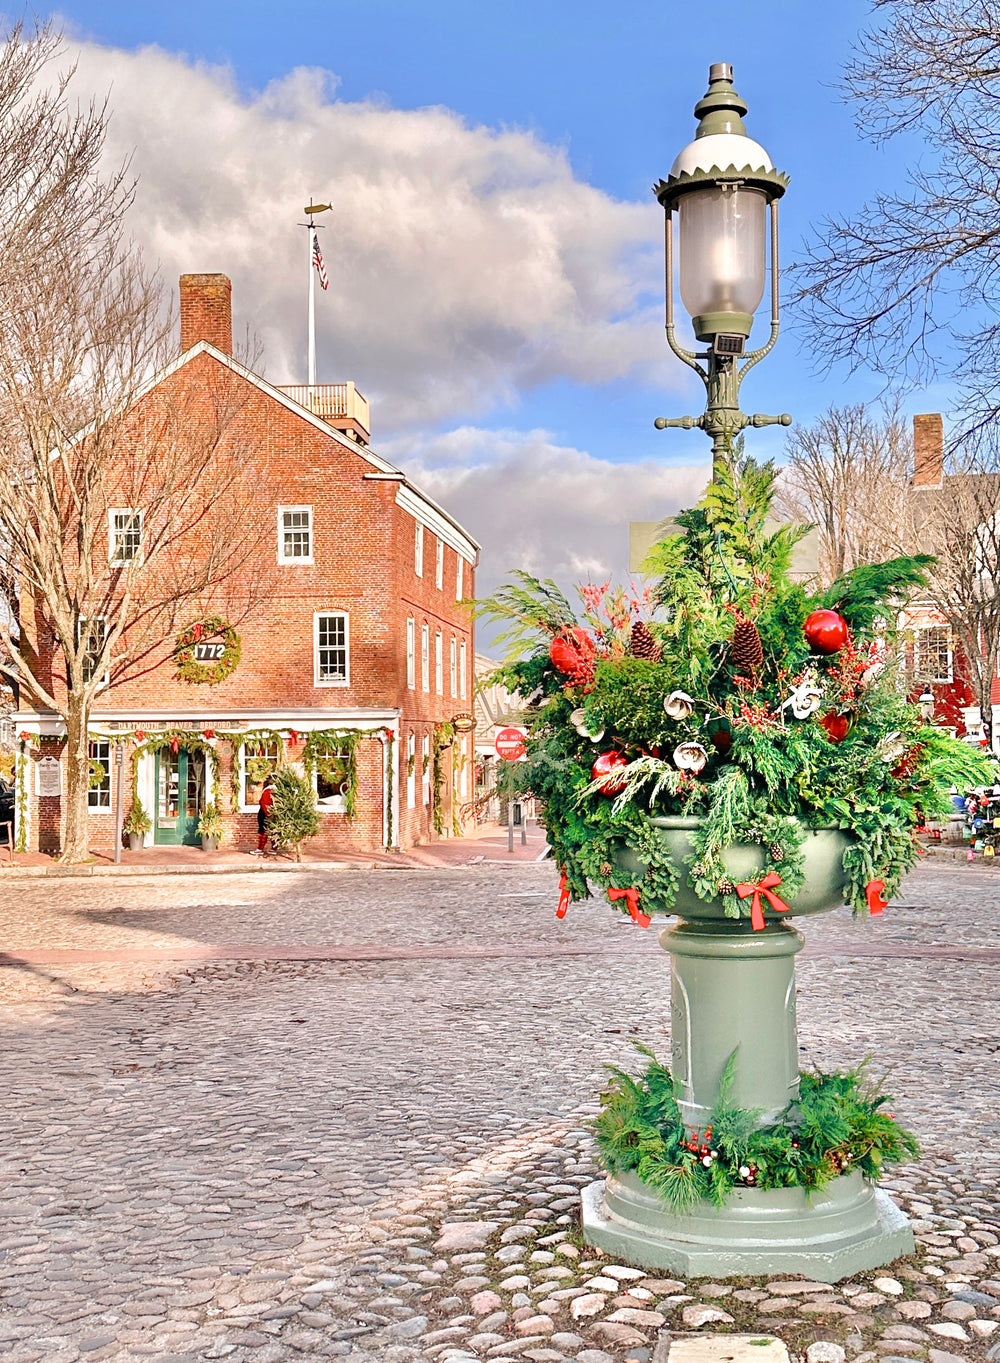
(206, 311)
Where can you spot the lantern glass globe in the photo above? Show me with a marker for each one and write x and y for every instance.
(722, 247)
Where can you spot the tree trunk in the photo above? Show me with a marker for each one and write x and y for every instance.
(76, 841)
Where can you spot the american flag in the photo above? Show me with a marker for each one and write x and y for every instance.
(324, 278)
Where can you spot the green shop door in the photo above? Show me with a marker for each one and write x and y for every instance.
(180, 797)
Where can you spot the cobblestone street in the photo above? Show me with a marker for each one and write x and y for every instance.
(342, 1115)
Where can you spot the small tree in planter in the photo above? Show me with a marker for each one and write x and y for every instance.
(293, 816)
(136, 825)
(211, 828)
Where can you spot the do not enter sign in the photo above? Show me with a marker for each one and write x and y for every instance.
(509, 744)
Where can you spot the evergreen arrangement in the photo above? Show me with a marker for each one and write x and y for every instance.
(731, 693)
(293, 816)
(837, 1124)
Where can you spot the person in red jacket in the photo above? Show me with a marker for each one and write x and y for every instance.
(263, 813)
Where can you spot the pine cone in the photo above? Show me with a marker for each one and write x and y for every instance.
(642, 643)
(726, 887)
(747, 651)
(777, 852)
(606, 868)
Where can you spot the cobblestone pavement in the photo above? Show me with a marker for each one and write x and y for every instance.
(379, 1159)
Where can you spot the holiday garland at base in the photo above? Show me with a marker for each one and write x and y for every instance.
(743, 701)
(835, 1126)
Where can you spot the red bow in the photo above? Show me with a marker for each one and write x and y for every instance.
(563, 897)
(765, 888)
(631, 898)
(873, 893)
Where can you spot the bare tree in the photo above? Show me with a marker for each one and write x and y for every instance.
(848, 474)
(910, 285)
(126, 507)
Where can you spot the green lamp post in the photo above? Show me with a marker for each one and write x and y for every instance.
(733, 988)
(722, 189)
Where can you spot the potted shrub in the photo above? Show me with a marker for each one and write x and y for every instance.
(211, 829)
(136, 825)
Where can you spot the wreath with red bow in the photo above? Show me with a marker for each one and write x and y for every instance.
(211, 631)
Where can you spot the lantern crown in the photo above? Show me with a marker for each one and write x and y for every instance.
(721, 151)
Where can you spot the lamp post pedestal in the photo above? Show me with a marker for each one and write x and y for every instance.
(733, 990)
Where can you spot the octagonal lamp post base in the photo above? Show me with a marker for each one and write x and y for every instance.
(848, 1227)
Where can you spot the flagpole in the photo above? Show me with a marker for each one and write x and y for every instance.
(309, 211)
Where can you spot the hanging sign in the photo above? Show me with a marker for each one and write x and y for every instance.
(49, 776)
(463, 724)
(509, 744)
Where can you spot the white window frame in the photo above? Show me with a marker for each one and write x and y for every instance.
(463, 776)
(411, 772)
(925, 629)
(295, 560)
(116, 535)
(245, 807)
(411, 654)
(425, 768)
(439, 565)
(81, 623)
(418, 550)
(332, 681)
(93, 795)
(453, 665)
(439, 662)
(459, 577)
(425, 657)
(463, 662)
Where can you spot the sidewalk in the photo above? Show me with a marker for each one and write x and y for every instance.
(486, 844)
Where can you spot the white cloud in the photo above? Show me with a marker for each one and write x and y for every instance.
(550, 509)
(466, 263)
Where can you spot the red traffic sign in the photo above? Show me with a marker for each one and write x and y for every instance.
(509, 744)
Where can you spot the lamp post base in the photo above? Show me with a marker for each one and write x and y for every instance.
(846, 1228)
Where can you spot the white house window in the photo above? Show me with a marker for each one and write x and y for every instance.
(332, 780)
(439, 565)
(426, 769)
(932, 658)
(453, 665)
(258, 761)
(411, 774)
(99, 795)
(92, 634)
(459, 578)
(425, 657)
(418, 550)
(462, 663)
(295, 539)
(124, 534)
(331, 649)
(439, 663)
(411, 660)
(463, 776)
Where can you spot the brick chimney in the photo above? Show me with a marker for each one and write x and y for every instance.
(928, 450)
(206, 311)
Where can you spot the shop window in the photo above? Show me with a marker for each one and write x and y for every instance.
(258, 761)
(99, 794)
(333, 780)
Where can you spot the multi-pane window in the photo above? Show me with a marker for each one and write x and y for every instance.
(459, 578)
(92, 634)
(331, 648)
(295, 540)
(258, 761)
(425, 766)
(463, 776)
(124, 534)
(425, 657)
(439, 663)
(932, 653)
(99, 794)
(411, 774)
(453, 661)
(411, 660)
(418, 550)
(439, 565)
(462, 663)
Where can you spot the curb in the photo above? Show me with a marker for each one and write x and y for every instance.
(182, 869)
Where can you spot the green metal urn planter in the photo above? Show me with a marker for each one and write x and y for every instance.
(733, 990)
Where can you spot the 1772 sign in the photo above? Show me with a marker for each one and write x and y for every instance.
(209, 653)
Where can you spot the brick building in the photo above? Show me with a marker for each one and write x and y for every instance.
(355, 665)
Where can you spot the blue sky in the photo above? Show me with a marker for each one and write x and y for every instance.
(609, 88)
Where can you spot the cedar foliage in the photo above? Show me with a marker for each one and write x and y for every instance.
(293, 816)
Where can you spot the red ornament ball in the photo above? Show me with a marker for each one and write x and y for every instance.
(826, 631)
(837, 726)
(570, 648)
(604, 766)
